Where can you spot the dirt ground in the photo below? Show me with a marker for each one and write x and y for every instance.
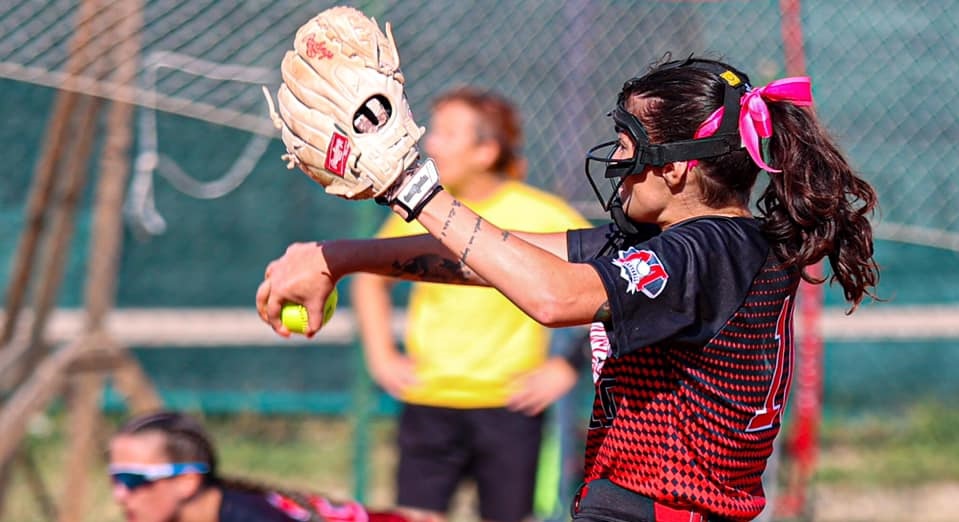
(928, 503)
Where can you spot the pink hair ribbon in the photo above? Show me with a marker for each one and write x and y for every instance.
(754, 120)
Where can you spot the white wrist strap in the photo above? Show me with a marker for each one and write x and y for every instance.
(418, 189)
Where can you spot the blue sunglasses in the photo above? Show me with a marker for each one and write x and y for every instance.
(134, 476)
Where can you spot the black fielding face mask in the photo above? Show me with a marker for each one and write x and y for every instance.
(606, 174)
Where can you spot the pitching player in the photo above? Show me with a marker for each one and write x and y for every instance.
(690, 295)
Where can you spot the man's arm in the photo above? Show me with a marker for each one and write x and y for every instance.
(392, 370)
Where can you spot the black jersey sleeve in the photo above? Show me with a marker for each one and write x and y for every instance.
(245, 506)
(682, 285)
(585, 244)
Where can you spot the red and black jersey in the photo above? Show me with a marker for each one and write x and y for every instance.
(692, 370)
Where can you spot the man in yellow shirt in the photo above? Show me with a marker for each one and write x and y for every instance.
(476, 376)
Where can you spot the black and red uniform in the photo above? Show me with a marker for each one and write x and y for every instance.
(692, 370)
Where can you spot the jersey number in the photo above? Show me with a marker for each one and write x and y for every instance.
(767, 416)
(604, 389)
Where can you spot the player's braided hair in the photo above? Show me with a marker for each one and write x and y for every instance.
(816, 207)
(186, 440)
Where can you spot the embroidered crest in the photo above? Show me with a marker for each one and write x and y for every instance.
(337, 154)
(643, 272)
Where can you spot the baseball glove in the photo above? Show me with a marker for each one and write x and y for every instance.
(342, 113)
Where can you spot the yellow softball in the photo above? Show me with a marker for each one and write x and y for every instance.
(296, 319)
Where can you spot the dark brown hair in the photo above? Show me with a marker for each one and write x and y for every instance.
(816, 207)
(499, 121)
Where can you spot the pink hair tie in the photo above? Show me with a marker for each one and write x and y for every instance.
(754, 120)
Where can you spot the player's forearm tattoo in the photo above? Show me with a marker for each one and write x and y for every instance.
(449, 217)
(469, 242)
(505, 236)
(603, 314)
(435, 269)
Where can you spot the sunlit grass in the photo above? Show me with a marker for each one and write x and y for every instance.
(918, 446)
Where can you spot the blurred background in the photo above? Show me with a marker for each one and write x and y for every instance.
(143, 194)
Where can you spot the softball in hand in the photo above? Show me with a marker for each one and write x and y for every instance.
(296, 319)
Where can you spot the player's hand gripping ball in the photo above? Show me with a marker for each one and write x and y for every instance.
(343, 115)
(296, 319)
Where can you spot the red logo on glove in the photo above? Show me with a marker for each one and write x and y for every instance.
(316, 49)
(337, 154)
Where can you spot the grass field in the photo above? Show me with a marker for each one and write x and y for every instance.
(869, 469)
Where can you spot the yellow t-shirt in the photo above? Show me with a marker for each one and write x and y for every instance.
(469, 343)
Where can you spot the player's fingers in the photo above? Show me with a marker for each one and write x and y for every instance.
(314, 314)
(269, 269)
(262, 294)
(407, 377)
(529, 404)
(273, 310)
(393, 387)
(519, 399)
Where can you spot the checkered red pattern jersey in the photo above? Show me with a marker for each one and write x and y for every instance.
(692, 370)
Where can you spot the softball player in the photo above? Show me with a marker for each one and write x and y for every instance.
(163, 466)
(691, 296)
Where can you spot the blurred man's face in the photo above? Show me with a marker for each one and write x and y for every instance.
(454, 145)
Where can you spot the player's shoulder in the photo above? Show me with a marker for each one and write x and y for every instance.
(248, 506)
(716, 237)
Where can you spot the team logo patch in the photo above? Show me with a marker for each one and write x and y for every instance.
(643, 272)
(337, 154)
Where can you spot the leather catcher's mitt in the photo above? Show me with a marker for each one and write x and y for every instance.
(342, 113)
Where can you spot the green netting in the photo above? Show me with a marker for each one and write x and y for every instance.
(884, 75)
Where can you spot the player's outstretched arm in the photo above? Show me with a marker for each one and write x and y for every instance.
(359, 149)
(307, 272)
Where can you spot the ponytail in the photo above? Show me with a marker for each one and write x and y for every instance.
(817, 206)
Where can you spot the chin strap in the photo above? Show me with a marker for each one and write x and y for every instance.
(626, 225)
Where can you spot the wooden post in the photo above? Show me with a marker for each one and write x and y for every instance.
(84, 362)
(44, 176)
(100, 292)
(42, 189)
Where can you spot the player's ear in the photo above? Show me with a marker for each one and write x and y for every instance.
(188, 485)
(487, 152)
(674, 174)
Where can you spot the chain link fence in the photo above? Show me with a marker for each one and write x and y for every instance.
(209, 202)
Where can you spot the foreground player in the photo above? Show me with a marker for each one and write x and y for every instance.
(691, 296)
(164, 469)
